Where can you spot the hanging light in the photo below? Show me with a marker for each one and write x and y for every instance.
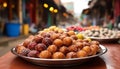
(55, 10)
(45, 5)
(4, 4)
(51, 9)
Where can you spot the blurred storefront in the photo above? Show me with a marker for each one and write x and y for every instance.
(8, 13)
(39, 14)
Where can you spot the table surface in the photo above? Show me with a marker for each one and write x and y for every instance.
(110, 60)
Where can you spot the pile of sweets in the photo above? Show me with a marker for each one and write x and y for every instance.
(55, 43)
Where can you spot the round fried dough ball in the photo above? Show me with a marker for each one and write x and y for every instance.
(19, 49)
(94, 42)
(67, 41)
(73, 48)
(71, 55)
(54, 36)
(95, 49)
(63, 49)
(71, 33)
(58, 55)
(52, 48)
(26, 43)
(40, 47)
(58, 42)
(62, 36)
(74, 42)
(87, 49)
(60, 31)
(81, 53)
(85, 40)
(86, 43)
(45, 54)
(79, 45)
(74, 37)
(38, 39)
(79, 40)
(42, 33)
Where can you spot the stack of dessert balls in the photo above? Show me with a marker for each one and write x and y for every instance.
(54, 43)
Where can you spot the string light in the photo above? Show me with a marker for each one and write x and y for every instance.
(4, 4)
(45, 5)
(51, 9)
(55, 10)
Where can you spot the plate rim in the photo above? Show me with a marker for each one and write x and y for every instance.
(103, 49)
(97, 38)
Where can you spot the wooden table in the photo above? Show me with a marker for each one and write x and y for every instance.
(110, 60)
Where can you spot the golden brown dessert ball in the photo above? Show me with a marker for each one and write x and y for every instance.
(52, 48)
(65, 33)
(93, 51)
(85, 40)
(94, 42)
(79, 40)
(45, 54)
(63, 49)
(74, 42)
(26, 43)
(74, 37)
(41, 33)
(79, 45)
(81, 53)
(96, 47)
(73, 48)
(52, 28)
(71, 33)
(60, 31)
(62, 36)
(58, 42)
(38, 39)
(56, 29)
(58, 55)
(87, 49)
(86, 43)
(71, 55)
(28, 40)
(67, 41)
(54, 36)
(19, 49)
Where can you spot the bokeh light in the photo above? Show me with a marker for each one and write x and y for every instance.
(4, 4)
(51, 9)
(55, 10)
(45, 5)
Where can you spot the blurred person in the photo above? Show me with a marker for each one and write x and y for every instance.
(85, 18)
(108, 21)
(95, 16)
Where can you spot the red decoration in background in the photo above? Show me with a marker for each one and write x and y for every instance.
(32, 10)
(117, 8)
(75, 28)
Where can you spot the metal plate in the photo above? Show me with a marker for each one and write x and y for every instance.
(60, 62)
(106, 40)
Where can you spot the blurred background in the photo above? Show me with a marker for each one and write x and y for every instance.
(20, 18)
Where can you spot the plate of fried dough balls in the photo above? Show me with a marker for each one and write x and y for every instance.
(56, 47)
